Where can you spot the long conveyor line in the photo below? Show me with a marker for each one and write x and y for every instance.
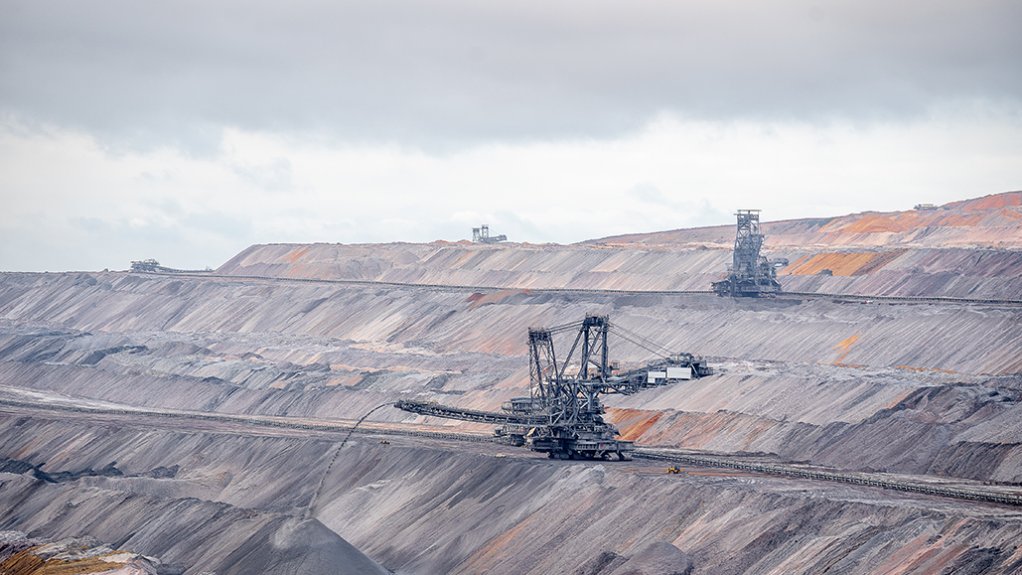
(595, 291)
(868, 480)
(255, 421)
(712, 461)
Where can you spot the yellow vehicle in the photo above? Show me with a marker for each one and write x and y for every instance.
(674, 469)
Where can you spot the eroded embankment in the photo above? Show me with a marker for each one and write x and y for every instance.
(459, 509)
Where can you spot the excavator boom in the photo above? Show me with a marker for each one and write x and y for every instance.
(563, 415)
(477, 416)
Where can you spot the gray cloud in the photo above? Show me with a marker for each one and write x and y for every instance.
(647, 192)
(457, 72)
(274, 176)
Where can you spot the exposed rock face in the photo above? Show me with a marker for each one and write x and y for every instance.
(22, 555)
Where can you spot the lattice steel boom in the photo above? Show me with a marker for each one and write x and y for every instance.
(563, 415)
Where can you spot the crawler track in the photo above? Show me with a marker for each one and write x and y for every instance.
(475, 288)
(243, 424)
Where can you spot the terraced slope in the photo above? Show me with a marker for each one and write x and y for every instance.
(194, 500)
(865, 385)
(991, 221)
(466, 509)
(965, 249)
(797, 378)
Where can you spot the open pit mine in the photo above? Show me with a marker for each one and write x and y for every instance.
(832, 395)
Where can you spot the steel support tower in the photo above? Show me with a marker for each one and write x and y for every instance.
(750, 274)
(481, 235)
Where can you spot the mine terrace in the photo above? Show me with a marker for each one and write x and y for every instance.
(833, 395)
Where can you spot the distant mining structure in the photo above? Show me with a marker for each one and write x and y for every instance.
(481, 235)
(146, 266)
(152, 266)
(563, 415)
(750, 274)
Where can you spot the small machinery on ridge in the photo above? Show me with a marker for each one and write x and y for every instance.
(563, 415)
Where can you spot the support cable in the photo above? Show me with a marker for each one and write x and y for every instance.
(641, 345)
(621, 331)
(315, 495)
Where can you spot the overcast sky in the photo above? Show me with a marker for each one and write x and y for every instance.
(187, 131)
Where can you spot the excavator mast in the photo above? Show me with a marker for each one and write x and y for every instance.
(750, 274)
(563, 415)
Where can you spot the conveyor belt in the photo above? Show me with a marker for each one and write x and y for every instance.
(477, 416)
(475, 288)
(867, 479)
(1013, 498)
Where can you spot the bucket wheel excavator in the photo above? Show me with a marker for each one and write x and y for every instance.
(563, 415)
